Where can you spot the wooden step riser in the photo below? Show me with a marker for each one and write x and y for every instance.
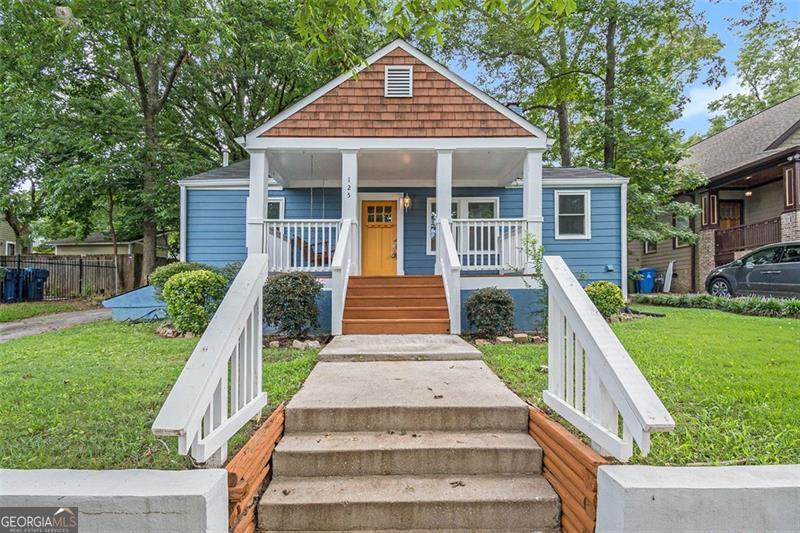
(389, 313)
(392, 327)
(399, 281)
(407, 290)
(395, 301)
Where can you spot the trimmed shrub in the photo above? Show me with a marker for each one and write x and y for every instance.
(192, 297)
(290, 302)
(491, 311)
(606, 296)
(230, 270)
(159, 277)
(742, 305)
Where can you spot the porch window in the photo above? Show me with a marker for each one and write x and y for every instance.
(680, 223)
(275, 209)
(466, 208)
(573, 218)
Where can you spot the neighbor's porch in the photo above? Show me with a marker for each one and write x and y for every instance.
(386, 221)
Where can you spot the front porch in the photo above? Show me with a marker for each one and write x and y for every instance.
(384, 221)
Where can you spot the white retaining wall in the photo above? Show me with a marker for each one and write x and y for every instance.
(693, 499)
(145, 501)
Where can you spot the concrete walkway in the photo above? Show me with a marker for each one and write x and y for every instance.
(55, 322)
(398, 348)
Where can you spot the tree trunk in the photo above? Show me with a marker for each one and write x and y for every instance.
(609, 134)
(562, 113)
(114, 247)
(148, 184)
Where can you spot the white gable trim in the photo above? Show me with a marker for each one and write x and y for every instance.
(397, 43)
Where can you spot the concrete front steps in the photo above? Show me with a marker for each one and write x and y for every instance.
(407, 446)
(395, 305)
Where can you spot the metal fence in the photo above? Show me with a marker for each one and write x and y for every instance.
(71, 277)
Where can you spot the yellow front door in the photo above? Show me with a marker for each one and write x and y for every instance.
(379, 238)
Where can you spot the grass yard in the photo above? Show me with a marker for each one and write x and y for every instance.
(85, 397)
(731, 382)
(18, 311)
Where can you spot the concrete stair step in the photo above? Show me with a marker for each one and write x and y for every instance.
(439, 311)
(398, 348)
(406, 452)
(406, 290)
(394, 326)
(360, 281)
(409, 502)
(405, 396)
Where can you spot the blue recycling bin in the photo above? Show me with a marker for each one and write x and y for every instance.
(648, 281)
(11, 285)
(34, 288)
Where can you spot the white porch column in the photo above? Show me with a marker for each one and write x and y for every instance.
(257, 201)
(444, 194)
(532, 197)
(350, 202)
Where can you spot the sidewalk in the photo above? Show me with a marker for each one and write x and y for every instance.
(54, 322)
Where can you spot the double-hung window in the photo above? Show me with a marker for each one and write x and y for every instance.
(573, 215)
(463, 208)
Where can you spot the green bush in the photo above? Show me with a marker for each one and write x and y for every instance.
(158, 278)
(192, 297)
(743, 305)
(230, 271)
(290, 302)
(606, 296)
(491, 311)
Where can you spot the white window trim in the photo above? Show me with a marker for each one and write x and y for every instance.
(647, 250)
(587, 214)
(676, 244)
(386, 69)
(463, 203)
(11, 243)
(281, 207)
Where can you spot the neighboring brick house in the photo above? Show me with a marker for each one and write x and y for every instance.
(8, 240)
(752, 198)
(362, 163)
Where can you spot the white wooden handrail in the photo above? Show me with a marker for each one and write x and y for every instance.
(305, 245)
(340, 275)
(592, 380)
(450, 266)
(493, 244)
(223, 371)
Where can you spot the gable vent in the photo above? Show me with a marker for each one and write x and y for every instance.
(399, 81)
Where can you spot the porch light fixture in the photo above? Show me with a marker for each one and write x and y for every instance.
(748, 193)
(406, 201)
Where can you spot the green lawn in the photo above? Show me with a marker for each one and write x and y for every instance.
(85, 397)
(731, 382)
(18, 311)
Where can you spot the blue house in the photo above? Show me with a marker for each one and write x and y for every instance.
(347, 183)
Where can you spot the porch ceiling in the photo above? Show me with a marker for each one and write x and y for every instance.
(411, 168)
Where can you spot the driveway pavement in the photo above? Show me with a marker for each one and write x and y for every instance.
(43, 323)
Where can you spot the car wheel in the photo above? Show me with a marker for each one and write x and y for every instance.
(720, 287)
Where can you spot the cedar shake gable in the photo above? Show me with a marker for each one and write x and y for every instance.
(439, 107)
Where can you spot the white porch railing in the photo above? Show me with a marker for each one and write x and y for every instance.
(490, 243)
(341, 266)
(592, 381)
(450, 266)
(219, 389)
(300, 245)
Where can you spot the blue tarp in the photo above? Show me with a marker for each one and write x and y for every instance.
(135, 305)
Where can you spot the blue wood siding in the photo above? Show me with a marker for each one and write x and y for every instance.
(591, 257)
(216, 225)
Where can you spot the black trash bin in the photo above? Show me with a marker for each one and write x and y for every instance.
(36, 278)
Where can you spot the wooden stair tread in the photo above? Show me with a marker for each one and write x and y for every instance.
(393, 320)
